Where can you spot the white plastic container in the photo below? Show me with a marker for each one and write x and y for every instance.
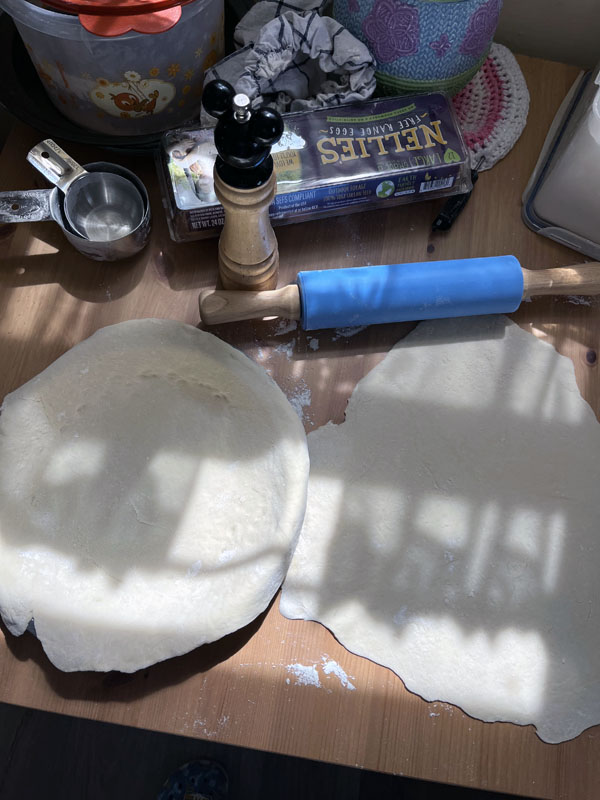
(127, 85)
(561, 200)
(569, 195)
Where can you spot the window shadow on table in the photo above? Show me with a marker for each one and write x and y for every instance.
(132, 486)
(471, 570)
(52, 260)
(52, 330)
(478, 526)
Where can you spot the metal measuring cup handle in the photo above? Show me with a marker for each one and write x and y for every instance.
(54, 164)
(29, 205)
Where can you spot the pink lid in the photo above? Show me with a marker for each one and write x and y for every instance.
(116, 17)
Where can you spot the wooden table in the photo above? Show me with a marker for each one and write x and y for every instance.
(235, 691)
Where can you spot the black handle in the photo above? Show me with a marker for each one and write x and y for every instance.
(243, 136)
(455, 204)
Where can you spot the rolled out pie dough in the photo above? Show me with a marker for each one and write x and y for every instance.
(452, 527)
(152, 486)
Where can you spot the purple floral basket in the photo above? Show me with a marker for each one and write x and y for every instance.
(422, 45)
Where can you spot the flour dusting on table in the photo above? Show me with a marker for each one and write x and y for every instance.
(286, 349)
(300, 398)
(333, 668)
(308, 674)
(285, 326)
(305, 675)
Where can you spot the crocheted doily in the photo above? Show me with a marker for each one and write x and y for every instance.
(492, 108)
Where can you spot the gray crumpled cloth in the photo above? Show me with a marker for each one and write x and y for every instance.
(294, 59)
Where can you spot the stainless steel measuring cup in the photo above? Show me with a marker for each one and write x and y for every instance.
(40, 205)
(100, 206)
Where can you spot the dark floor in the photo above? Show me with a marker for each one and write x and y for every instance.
(50, 756)
(6, 122)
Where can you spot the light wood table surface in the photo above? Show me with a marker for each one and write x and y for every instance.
(235, 691)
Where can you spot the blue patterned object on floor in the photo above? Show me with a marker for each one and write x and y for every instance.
(197, 780)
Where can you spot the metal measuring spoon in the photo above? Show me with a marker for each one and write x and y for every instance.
(99, 206)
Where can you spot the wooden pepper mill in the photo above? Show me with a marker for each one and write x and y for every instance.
(245, 186)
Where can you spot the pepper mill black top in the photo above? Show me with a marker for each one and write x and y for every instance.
(243, 137)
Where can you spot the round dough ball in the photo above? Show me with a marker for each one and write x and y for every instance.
(152, 488)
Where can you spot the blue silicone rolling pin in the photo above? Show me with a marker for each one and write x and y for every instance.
(337, 298)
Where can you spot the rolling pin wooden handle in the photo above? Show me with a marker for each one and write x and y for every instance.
(230, 306)
(578, 279)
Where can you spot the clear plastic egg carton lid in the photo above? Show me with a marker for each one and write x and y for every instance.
(562, 199)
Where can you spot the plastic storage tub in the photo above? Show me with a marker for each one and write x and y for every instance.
(127, 85)
(561, 200)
